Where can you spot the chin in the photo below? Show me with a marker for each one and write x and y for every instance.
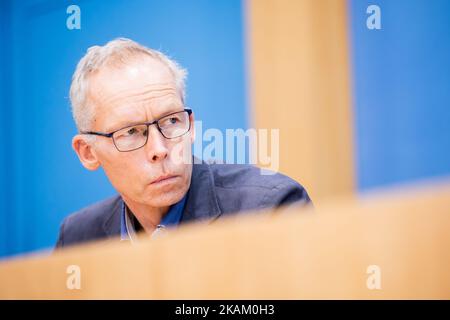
(165, 198)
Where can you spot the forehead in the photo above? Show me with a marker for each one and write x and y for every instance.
(137, 91)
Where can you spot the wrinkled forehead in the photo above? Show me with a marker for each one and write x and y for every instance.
(142, 82)
(142, 75)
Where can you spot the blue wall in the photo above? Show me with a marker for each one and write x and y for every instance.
(401, 91)
(43, 180)
(401, 85)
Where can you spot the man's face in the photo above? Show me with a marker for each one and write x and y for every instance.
(142, 91)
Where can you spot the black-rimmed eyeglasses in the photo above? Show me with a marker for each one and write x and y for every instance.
(133, 137)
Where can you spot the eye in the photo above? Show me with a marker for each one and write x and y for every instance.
(173, 120)
(170, 121)
(131, 131)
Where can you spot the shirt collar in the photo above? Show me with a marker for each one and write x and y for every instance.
(171, 219)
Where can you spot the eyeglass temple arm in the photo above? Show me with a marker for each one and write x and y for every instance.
(108, 135)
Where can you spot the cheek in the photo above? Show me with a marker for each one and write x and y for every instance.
(122, 169)
(187, 175)
(180, 152)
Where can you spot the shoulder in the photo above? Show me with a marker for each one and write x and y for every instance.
(241, 187)
(88, 223)
(243, 175)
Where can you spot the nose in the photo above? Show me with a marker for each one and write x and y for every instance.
(156, 148)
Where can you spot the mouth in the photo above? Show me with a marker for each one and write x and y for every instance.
(163, 179)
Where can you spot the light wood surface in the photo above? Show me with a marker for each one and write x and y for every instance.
(299, 81)
(292, 254)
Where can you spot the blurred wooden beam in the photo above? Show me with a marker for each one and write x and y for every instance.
(300, 84)
(293, 254)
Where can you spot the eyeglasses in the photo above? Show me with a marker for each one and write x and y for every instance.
(133, 137)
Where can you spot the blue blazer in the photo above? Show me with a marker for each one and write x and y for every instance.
(216, 190)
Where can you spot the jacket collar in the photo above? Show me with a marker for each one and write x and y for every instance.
(111, 226)
(201, 202)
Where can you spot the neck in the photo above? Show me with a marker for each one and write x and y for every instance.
(148, 217)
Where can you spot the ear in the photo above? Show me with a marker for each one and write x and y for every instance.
(85, 152)
(191, 119)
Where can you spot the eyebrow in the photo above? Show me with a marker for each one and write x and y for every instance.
(125, 124)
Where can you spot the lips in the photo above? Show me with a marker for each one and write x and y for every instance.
(163, 179)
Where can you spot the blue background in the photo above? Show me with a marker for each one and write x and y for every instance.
(43, 180)
(401, 87)
(401, 91)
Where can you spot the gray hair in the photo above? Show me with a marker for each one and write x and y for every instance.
(121, 51)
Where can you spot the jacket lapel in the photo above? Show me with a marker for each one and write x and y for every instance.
(112, 224)
(201, 202)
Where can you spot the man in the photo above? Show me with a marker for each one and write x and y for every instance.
(128, 105)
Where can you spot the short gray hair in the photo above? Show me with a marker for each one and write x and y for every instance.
(118, 51)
